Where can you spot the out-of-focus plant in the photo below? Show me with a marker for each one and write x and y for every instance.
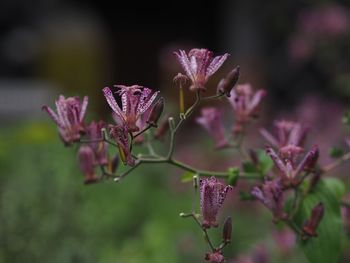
(285, 177)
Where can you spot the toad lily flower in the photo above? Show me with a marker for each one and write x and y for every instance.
(135, 101)
(271, 195)
(245, 103)
(288, 133)
(212, 122)
(287, 166)
(199, 65)
(212, 196)
(69, 117)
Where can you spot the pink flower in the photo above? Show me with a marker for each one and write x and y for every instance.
(69, 117)
(93, 132)
(271, 195)
(86, 160)
(287, 133)
(121, 136)
(245, 103)
(215, 257)
(287, 166)
(135, 101)
(199, 65)
(212, 196)
(212, 122)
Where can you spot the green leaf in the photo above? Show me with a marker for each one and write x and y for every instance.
(326, 247)
(336, 186)
(346, 118)
(249, 167)
(265, 162)
(187, 177)
(233, 174)
(335, 152)
(244, 196)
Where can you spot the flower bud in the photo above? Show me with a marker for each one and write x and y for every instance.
(226, 84)
(310, 226)
(156, 112)
(114, 163)
(86, 162)
(227, 230)
(162, 130)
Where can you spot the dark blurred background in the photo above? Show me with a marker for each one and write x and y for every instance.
(297, 50)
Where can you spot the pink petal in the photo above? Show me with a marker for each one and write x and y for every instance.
(185, 63)
(111, 101)
(83, 108)
(216, 64)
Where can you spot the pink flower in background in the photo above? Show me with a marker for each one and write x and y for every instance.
(271, 195)
(120, 134)
(287, 166)
(93, 132)
(86, 160)
(136, 100)
(211, 121)
(69, 117)
(285, 240)
(212, 196)
(199, 65)
(244, 102)
(287, 133)
(215, 257)
(316, 26)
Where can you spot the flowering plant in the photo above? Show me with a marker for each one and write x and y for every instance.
(285, 178)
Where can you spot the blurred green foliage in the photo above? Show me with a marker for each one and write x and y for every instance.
(48, 215)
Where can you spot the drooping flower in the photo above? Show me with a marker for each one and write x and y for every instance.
(271, 195)
(199, 65)
(120, 134)
(245, 104)
(311, 225)
(86, 160)
(93, 132)
(289, 170)
(69, 117)
(211, 121)
(135, 102)
(212, 196)
(287, 133)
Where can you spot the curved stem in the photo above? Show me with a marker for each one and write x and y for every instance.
(336, 163)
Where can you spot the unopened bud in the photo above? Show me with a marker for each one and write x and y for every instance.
(171, 123)
(156, 112)
(226, 84)
(86, 162)
(227, 230)
(254, 157)
(311, 158)
(195, 181)
(114, 163)
(162, 130)
(310, 227)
